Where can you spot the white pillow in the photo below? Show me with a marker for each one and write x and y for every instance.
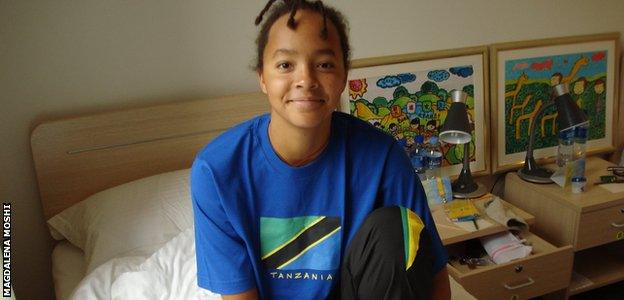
(132, 219)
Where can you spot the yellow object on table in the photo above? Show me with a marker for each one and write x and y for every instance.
(460, 209)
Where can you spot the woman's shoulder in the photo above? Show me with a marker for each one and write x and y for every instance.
(361, 131)
(229, 143)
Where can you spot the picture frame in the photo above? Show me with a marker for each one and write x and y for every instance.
(522, 77)
(414, 89)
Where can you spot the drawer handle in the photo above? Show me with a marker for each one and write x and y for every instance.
(515, 287)
(616, 225)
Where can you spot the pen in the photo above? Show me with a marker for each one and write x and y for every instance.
(474, 221)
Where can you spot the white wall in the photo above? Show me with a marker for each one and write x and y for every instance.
(60, 58)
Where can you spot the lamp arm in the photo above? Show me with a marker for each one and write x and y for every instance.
(465, 183)
(465, 177)
(467, 157)
(529, 154)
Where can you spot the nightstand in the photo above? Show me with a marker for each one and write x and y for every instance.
(591, 222)
(546, 270)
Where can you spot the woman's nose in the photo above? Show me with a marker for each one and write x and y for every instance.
(307, 78)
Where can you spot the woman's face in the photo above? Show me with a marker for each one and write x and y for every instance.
(303, 75)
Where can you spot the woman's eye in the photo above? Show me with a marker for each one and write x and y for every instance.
(283, 65)
(326, 65)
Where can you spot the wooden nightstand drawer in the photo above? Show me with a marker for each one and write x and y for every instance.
(600, 227)
(546, 270)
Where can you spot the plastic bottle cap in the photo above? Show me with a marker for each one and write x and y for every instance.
(581, 132)
(562, 135)
(420, 139)
(433, 140)
(566, 134)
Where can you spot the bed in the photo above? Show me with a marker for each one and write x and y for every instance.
(114, 191)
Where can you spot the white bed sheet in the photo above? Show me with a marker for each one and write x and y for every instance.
(68, 268)
(169, 273)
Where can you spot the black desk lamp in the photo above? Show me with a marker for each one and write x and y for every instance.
(569, 115)
(456, 130)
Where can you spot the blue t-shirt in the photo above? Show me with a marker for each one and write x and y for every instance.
(262, 223)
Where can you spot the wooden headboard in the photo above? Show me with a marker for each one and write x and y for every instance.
(75, 158)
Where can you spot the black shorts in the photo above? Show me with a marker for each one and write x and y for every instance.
(390, 257)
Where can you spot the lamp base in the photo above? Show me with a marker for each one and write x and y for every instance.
(536, 175)
(480, 191)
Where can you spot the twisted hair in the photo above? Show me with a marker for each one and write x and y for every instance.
(290, 7)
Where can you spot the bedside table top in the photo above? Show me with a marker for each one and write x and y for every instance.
(595, 196)
(451, 233)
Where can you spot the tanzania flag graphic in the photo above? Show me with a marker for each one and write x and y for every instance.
(311, 242)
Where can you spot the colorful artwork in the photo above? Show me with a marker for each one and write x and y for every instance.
(524, 77)
(410, 102)
(528, 83)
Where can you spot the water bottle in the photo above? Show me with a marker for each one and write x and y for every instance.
(565, 154)
(433, 158)
(418, 156)
(580, 145)
(565, 150)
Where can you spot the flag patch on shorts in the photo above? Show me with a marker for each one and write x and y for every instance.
(412, 227)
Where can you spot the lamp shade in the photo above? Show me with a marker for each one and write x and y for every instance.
(456, 128)
(569, 114)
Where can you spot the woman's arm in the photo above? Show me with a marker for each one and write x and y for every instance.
(441, 288)
(247, 295)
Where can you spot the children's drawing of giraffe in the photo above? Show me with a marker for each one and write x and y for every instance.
(519, 83)
(519, 106)
(551, 117)
(528, 116)
(521, 80)
(582, 61)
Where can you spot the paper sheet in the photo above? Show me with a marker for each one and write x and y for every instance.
(497, 212)
(613, 187)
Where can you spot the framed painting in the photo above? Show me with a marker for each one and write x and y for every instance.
(523, 74)
(408, 96)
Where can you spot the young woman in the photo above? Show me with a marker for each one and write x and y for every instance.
(307, 202)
